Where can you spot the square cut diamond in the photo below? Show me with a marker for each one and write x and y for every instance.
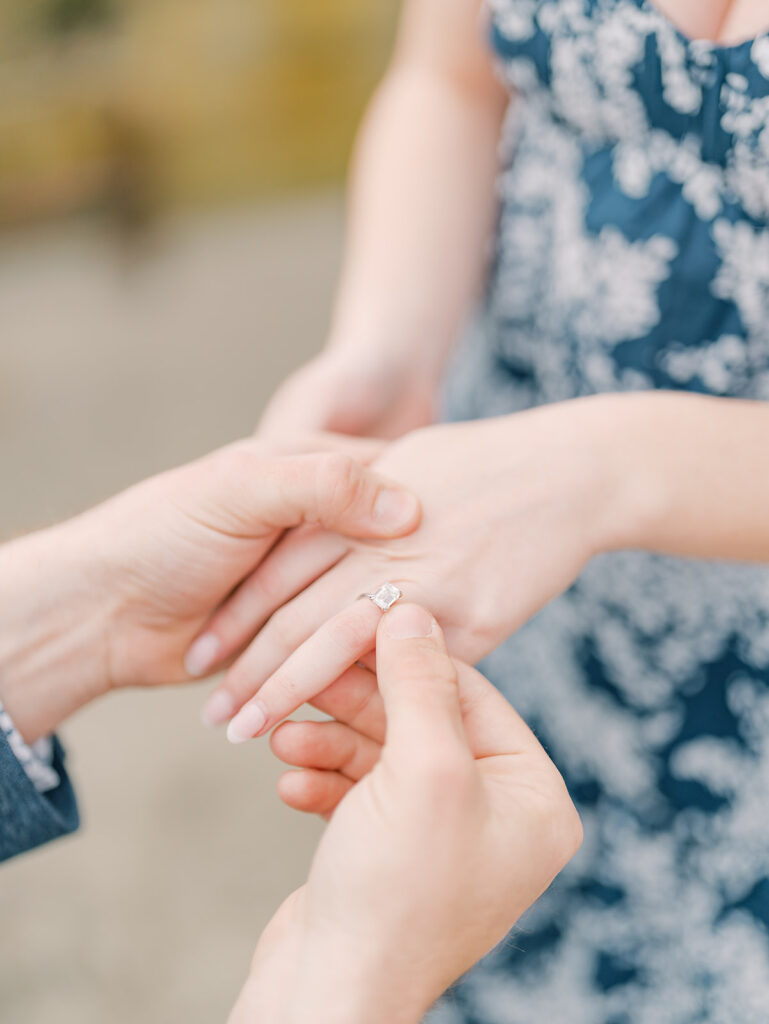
(386, 596)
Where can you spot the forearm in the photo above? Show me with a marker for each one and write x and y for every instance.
(340, 998)
(53, 648)
(692, 475)
(299, 981)
(336, 989)
(422, 203)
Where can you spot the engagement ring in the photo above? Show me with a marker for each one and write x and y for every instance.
(384, 597)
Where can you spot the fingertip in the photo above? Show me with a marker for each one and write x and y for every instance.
(203, 655)
(285, 741)
(218, 709)
(312, 791)
(289, 785)
(250, 722)
(276, 736)
(417, 677)
(298, 792)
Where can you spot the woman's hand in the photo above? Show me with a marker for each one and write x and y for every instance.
(114, 597)
(436, 849)
(361, 391)
(513, 508)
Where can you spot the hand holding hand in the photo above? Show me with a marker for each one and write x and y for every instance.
(513, 509)
(444, 837)
(114, 597)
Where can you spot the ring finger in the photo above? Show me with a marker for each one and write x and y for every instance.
(296, 561)
(315, 664)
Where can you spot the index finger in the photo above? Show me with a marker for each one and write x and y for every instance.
(492, 724)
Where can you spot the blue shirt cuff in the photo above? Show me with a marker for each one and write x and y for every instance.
(29, 818)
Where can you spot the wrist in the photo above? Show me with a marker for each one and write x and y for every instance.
(625, 436)
(384, 347)
(303, 979)
(347, 979)
(53, 630)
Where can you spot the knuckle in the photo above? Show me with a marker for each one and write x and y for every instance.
(284, 692)
(267, 585)
(309, 740)
(237, 460)
(281, 630)
(244, 611)
(443, 676)
(430, 670)
(482, 621)
(469, 702)
(364, 709)
(339, 482)
(351, 633)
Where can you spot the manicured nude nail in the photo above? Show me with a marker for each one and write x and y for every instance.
(202, 655)
(248, 723)
(218, 709)
(407, 622)
(395, 508)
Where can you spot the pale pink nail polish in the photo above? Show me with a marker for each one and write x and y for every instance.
(248, 723)
(202, 655)
(218, 709)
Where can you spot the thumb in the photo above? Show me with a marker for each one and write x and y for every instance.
(331, 489)
(418, 682)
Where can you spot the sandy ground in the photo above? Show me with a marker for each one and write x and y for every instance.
(109, 370)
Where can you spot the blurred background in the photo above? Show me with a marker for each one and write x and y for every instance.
(170, 229)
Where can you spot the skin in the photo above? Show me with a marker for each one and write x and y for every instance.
(112, 598)
(423, 178)
(433, 852)
(726, 22)
(534, 497)
(464, 820)
(378, 377)
(462, 472)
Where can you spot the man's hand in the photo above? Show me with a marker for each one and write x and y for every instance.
(443, 837)
(114, 597)
(529, 496)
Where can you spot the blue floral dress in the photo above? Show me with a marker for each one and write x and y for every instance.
(633, 253)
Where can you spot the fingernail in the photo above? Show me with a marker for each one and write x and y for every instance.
(408, 621)
(202, 655)
(248, 723)
(218, 709)
(395, 508)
